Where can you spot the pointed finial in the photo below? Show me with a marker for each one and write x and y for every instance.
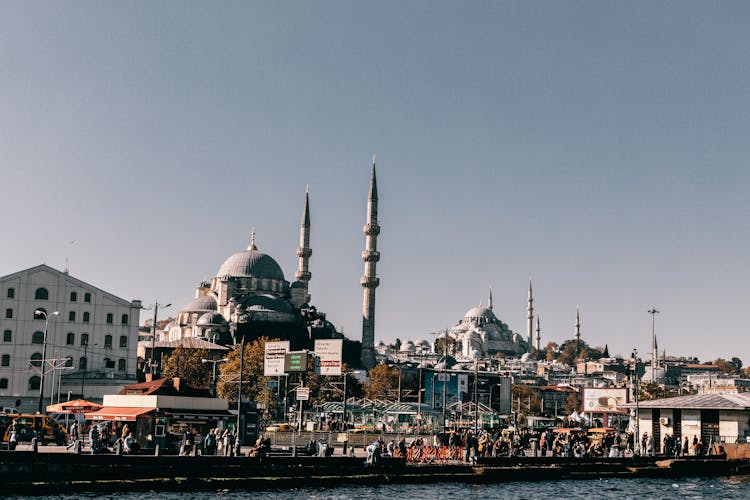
(489, 301)
(373, 158)
(252, 239)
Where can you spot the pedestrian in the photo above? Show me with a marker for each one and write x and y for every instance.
(94, 438)
(209, 443)
(650, 446)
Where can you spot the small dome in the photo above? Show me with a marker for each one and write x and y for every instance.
(408, 347)
(211, 319)
(525, 357)
(205, 303)
(251, 264)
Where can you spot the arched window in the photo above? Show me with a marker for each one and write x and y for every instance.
(73, 296)
(7, 336)
(70, 339)
(34, 383)
(110, 318)
(87, 297)
(108, 341)
(83, 363)
(36, 359)
(86, 317)
(6, 360)
(123, 341)
(84, 339)
(68, 361)
(3, 383)
(41, 294)
(124, 319)
(121, 365)
(37, 338)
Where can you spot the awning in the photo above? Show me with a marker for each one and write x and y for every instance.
(118, 413)
(75, 406)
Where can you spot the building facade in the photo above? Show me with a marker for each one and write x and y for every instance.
(91, 338)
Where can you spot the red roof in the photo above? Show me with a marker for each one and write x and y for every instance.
(118, 413)
(164, 387)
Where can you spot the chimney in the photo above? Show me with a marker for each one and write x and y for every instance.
(149, 377)
(176, 383)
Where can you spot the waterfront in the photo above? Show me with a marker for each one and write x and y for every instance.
(697, 487)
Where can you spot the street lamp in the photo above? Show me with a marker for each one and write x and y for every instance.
(636, 441)
(214, 362)
(43, 313)
(152, 361)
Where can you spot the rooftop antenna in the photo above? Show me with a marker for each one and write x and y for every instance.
(67, 271)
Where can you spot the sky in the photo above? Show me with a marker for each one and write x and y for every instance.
(598, 148)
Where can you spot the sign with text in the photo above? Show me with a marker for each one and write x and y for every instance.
(273, 361)
(295, 362)
(328, 356)
(303, 393)
(610, 400)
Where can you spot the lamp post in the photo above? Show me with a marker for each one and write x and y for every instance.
(214, 362)
(636, 441)
(152, 361)
(445, 368)
(40, 312)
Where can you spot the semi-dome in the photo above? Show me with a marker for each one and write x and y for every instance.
(251, 264)
(211, 319)
(267, 303)
(205, 303)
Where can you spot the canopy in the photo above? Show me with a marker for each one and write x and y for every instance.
(118, 413)
(601, 430)
(75, 406)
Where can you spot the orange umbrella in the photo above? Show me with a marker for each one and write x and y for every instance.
(601, 430)
(75, 406)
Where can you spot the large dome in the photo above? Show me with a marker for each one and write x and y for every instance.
(205, 303)
(479, 312)
(251, 264)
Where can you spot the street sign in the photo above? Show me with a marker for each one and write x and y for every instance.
(328, 354)
(295, 362)
(273, 361)
(303, 393)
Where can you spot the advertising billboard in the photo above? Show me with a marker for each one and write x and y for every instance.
(605, 400)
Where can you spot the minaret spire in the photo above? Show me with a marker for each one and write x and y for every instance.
(530, 318)
(578, 332)
(538, 334)
(304, 251)
(489, 300)
(370, 281)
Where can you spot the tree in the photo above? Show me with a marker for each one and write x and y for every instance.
(254, 384)
(732, 367)
(383, 381)
(331, 387)
(530, 403)
(550, 351)
(186, 364)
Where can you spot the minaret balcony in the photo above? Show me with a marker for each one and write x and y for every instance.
(303, 275)
(304, 252)
(371, 230)
(369, 281)
(371, 256)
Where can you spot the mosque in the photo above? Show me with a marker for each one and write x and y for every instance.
(250, 297)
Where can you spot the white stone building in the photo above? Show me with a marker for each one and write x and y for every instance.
(91, 338)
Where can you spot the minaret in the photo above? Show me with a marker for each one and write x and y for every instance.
(489, 300)
(530, 318)
(304, 251)
(370, 280)
(578, 332)
(538, 334)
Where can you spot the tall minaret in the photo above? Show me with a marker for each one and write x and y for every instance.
(538, 334)
(304, 251)
(578, 332)
(370, 280)
(530, 318)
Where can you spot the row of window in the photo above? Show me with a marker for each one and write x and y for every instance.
(38, 338)
(43, 294)
(71, 316)
(36, 360)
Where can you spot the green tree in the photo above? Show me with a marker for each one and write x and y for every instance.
(186, 364)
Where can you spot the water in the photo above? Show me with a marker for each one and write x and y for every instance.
(736, 487)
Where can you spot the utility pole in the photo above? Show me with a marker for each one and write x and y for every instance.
(239, 393)
(152, 362)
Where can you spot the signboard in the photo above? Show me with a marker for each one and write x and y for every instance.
(295, 362)
(328, 354)
(303, 393)
(604, 400)
(273, 361)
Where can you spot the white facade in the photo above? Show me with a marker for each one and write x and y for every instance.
(94, 333)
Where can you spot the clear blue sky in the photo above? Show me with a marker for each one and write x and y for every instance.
(599, 148)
